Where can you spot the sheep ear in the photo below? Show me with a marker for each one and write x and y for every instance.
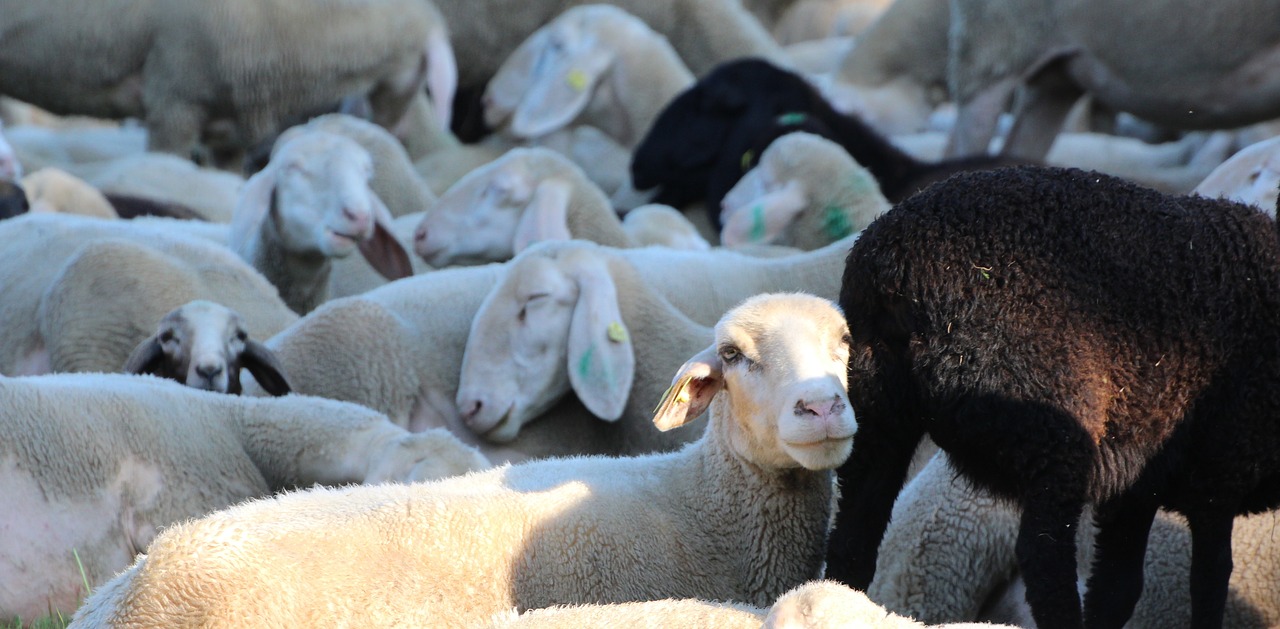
(145, 358)
(602, 363)
(562, 90)
(383, 252)
(266, 369)
(254, 202)
(766, 218)
(691, 392)
(442, 76)
(546, 217)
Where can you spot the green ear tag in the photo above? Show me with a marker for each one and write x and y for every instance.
(617, 333)
(577, 79)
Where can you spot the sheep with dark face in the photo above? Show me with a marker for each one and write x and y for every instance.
(1068, 339)
(204, 345)
(714, 132)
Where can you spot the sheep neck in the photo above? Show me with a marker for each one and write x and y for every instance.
(771, 521)
(301, 277)
(591, 217)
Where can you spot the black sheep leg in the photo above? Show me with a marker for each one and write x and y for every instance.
(1210, 566)
(1120, 547)
(1046, 552)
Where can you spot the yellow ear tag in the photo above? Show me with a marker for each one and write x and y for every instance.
(617, 333)
(577, 79)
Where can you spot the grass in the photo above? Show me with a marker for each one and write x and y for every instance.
(55, 620)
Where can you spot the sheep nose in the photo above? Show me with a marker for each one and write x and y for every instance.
(208, 372)
(820, 409)
(358, 219)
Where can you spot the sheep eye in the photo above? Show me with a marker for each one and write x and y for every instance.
(847, 339)
(730, 355)
(166, 336)
(524, 311)
(242, 335)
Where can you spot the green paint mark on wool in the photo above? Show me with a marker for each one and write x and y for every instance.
(793, 118)
(835, 222)
(757, 222)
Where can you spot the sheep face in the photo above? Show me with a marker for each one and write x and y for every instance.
(203, 345)
(10, 169)
(497, 210)
(552, 324)
(760, 207)
(779, 364)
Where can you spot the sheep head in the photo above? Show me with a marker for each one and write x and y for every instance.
(499, 209)
(806, 190)
(550, 326)
(778, 365)
(204, 345)
(315, 192)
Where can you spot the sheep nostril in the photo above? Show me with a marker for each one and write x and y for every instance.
(822, 408)
(470, 409)
(208, 372)
(420, 234)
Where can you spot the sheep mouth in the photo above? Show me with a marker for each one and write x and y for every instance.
(826, 441)
(504, 430)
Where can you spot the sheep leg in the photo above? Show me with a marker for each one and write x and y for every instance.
(1120, 546)
(977, 119)
(869, 484)
(174, 128)
(1211, 566)
(1046, 103)
(1046, 553)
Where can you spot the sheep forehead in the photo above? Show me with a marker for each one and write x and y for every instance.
(322, 150)
(203, 315)
(767, 322)
(533, 275)
(801, 152)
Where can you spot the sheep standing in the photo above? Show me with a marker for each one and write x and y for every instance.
(739, 515)
(1177, 73)
(98, 463)
(203, 345)
(806, 192)
(1065, 353)
(243, 66)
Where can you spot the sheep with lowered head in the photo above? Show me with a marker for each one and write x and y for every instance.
(1069, 339)
(526, 196)
(98, 463)
(203, 344)
(740, 514)
(805, 192)
(243, 66)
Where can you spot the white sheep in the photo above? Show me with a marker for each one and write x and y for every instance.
(574, 318)
(806, 192)
(1250, 176)
(175, 266)
(10, 167)
(99, 463)
(832, 605)
(703, 32)
(595, 65)
(165, 178)
(739, 515)
(39, 146)
(654, 224)
(203, 345)
(1178, 73)
(54, 190)
(313, 203)
(683, 613)
(528, 195)
(188, 68)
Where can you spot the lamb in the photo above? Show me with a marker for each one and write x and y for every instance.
(593, 65)
(703, 32)
(712, 133)
(1019, 285)
(126, 293)
(830, 605)
(526, 196)
(948, 554)
(98, 463)
(654, 224)
(805, 192)
(204, 344)
(1176, 74)
(740, 514)
(192, 67)
(1250, 176)
(574, 319)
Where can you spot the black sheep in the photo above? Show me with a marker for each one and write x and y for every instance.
(712, 133)
(1068, 338)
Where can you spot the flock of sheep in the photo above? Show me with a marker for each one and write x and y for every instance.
(716, 299)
